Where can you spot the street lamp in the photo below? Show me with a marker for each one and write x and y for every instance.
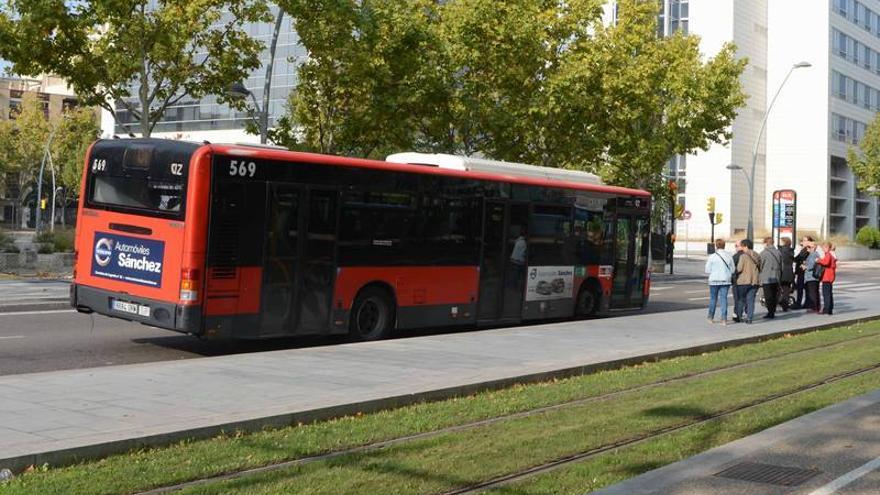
(751, 226)
(733, 167)
(239, 91)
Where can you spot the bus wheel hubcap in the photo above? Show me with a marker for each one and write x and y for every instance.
(369, 316)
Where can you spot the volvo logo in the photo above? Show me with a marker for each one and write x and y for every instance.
(103, 251)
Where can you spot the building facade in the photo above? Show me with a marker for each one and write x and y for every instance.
(820, 112)
(205, 118)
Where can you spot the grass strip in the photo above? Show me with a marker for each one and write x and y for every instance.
(146, 469)
(458, 459)
(622, 464)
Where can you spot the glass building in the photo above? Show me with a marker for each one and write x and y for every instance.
(195, 118)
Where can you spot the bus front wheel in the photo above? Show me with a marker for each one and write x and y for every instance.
(588, 301)
(372, 315)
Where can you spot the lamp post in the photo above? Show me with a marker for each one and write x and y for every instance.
(750, 232)
(239, 91)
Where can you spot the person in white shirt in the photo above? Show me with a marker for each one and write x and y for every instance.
(720, 267)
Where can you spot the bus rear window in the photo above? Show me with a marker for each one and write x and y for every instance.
(163, 197)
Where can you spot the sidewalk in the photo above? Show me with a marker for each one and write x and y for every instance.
(59, 417)
(835, 448)
(19, 294)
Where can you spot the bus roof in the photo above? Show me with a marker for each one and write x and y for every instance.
(470, 168)
(468, 163)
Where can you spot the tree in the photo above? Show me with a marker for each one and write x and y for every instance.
(366, 79)
(865, 161)
(537, 81)
(22, 144)
(76, 130)
(144, 55)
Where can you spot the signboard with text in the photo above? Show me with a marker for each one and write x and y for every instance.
(784, 215)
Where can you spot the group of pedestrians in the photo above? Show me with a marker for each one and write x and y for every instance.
(777, 271)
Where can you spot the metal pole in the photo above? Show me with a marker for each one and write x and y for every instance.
(686, 239)
(750, 232)
(52, 218)
(38, 218)
(267, 85)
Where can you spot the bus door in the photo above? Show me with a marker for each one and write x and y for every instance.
(299, 261)
(318, 267)
(502, 278)
(630, 260)
(281, 260)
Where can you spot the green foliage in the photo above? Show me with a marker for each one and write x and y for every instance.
(542, 82)
(75, 132)
(59, 241)
(865, 161)
(7, 245)
(869, 236)
(167, 50)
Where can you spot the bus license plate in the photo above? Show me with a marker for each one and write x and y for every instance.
(131, 308)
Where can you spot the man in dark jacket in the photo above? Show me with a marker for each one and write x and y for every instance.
(787, 277)
(799, 261)
(737, 302)
(770, 272)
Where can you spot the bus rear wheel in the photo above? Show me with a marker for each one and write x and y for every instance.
(372, 315)
(588, 301)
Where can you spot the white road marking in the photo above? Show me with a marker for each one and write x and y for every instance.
(653, 288)
(847, 478)
(863, 289)
(849, 285)
(47, 312)
(10, 337)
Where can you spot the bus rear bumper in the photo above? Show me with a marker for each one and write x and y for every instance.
(186, 319)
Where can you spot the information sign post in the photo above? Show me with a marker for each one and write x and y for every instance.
(784, 215)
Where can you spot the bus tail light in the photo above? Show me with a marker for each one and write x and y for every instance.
(189, 284)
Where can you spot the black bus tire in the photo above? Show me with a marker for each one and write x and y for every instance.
(588, 300)
(372, 314)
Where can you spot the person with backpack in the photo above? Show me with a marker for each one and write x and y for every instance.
(720, 267)
(828, 264)
(811, 281)
(770, 275)
(748, 280)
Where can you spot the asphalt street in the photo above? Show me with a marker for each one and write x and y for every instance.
(34, 339)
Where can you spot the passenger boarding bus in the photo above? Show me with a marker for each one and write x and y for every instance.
(251, 242)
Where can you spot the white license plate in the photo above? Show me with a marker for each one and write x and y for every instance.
(131, 308)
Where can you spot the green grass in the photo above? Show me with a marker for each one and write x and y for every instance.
(462, 458)
(453, 459)
(625, 463)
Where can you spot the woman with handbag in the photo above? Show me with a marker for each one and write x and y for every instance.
(720, 267)
(828, 264)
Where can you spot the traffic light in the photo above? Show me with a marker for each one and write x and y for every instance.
(718, 218)
(43, 204)
(710, 204)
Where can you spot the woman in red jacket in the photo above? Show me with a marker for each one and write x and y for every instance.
(829, 261)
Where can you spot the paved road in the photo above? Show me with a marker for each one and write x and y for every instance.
(48, 340)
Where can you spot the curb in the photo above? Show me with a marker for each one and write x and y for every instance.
(48, 305)
(62, 457)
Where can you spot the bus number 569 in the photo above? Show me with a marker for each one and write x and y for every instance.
(242, 168)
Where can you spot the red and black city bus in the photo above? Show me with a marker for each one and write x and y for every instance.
(251, 242)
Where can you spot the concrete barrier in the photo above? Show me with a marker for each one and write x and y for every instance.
(857, 253)
(30, 262)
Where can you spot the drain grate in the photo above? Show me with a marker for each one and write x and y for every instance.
(768, 473)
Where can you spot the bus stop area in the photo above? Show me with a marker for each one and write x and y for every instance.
(61, 416)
